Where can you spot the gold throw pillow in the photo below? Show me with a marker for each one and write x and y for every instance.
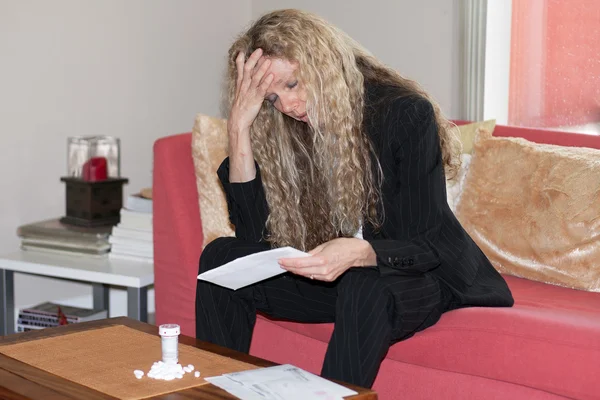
(535, 209)
(209, 149)
(467, 133)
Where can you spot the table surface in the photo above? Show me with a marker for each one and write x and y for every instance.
(83, 268)
(20, 381)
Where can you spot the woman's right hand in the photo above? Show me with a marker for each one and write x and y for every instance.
(251, 87)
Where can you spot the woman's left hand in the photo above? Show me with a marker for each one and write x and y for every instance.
(331, 259)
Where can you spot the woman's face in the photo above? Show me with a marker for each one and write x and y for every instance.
(286, 93)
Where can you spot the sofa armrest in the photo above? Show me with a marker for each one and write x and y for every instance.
(177, 232)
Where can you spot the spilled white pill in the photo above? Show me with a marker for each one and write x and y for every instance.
(197, 374)
(168, 371)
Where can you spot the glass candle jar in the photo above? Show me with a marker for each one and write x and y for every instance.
(83, 151)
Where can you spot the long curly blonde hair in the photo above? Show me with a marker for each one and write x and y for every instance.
(321, 180)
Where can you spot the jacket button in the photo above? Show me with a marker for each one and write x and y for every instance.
(410, 261)
(397, 261)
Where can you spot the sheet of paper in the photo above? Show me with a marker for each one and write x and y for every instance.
(234, 388)
(250, 269)
(282, 382)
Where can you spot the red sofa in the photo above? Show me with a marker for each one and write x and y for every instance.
(546, 347)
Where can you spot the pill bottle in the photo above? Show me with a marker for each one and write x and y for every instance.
(169, 334)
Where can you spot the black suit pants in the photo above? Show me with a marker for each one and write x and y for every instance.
(370, 312)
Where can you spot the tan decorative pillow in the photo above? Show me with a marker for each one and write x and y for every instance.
(467, 133)
(535, 209)
(209, 149)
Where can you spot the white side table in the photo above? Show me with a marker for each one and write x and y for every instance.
(101, 273)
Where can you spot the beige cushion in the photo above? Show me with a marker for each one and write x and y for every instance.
(535, 209)
(454, 187)
(467, 133)
(209, 149)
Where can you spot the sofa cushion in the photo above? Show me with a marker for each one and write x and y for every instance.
(468, 132)
(209, 149)
(454, 187)
(549, 325)
(534, 209)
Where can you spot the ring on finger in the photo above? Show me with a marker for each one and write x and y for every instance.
(312, 276)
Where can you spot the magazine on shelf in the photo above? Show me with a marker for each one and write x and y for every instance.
(27, 328)
(63, 252)
(67, 246)
(53, 229)
(72, 314)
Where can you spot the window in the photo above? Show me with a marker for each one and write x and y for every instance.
(542, 66)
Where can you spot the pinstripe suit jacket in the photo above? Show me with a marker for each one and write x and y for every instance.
(420, 234)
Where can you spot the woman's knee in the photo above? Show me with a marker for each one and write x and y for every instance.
(212, 254)
(360, 292)
(225, 249)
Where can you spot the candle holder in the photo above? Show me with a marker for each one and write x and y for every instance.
(94, 187)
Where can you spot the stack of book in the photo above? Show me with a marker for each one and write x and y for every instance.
(131, 239)
(47, 315)
(52, 236)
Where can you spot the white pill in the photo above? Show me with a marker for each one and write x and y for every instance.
(197, 374)
(169, 371)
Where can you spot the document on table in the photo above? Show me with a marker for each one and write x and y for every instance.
(282, 382)
(250, 269)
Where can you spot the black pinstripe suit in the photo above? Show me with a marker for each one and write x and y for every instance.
(426, 263)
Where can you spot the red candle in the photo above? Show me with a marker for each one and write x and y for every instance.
(95, 169)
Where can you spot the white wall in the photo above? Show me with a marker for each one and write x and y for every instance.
(142, 69)
(135, 69)
(418, 38)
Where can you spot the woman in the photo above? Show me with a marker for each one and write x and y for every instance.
(333, 153)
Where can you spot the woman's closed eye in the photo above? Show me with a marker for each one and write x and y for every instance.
(273, 97)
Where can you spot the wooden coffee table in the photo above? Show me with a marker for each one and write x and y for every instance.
(21, 381)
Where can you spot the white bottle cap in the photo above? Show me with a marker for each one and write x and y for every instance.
(169, 330)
